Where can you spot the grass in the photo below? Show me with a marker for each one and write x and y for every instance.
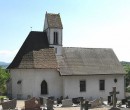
(2, 97)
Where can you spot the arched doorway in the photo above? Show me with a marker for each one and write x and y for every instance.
(44, 88)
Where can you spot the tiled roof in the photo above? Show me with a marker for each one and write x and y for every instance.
(44, 58)
(34, 42)
(54, 20)
(89, 61)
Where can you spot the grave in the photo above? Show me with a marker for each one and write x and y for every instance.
(84, 105)
(43, 101)
(123, 101)
(50, 104)
(96, 103)
(114, 99)
(76, 101)
(9, 104)
(128, 104)
(67, 103)
(32, 104)
(51, 97)
(109, 100)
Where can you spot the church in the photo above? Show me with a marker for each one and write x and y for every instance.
(44, 68)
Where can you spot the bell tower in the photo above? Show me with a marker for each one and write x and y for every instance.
(53, 27)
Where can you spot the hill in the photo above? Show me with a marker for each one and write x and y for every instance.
(125, 63)
(4, 64)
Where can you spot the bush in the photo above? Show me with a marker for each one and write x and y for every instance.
(128, 89)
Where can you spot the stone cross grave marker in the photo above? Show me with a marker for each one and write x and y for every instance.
(84, 106)
(113, 93)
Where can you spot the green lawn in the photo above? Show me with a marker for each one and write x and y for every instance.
(2, 97)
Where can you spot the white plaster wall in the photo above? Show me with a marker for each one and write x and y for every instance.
(31, 82)
(71, 86)
(52, 30)
(51, 39)
(58, 50)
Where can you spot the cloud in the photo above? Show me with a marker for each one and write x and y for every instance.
(7, 55)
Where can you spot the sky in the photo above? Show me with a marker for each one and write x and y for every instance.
(86, 23)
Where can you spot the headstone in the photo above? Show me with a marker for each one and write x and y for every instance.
(50, 104)
(43, 101)
(84, 105)
(87, 105)
(109, 100)
(96, 103)
(33, 104)
(123, 101)
(81, 104)
(128, 104)
(76, 100)
(9, 104)
(67, 103)
(114, 99)
(52, 97)
(59, 101)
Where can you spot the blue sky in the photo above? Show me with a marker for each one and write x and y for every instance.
(86, 23)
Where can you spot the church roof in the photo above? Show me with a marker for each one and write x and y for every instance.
(54, 20)
(89, 61)
(44, 58)
(34, 42)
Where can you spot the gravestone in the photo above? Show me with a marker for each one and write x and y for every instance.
(109, 100)
(32, 104)
(76, 100)
(50, 104)
(43, 101)
(67, 103)
(58, 101)
(84, 105)
(96, 103)
(123, 101)
(114, 99)
(51, 97)
(128, 104)
(9, 104)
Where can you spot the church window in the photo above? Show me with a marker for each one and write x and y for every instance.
(19, 81)
(102, 84)
(44, 87)
(55, 38)
(82, 86)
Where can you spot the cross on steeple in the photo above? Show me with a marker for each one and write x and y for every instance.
(113, 93)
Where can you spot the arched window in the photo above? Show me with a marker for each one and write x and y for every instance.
(44, 87)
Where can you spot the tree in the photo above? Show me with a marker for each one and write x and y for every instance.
(4, 76)
(127, 68)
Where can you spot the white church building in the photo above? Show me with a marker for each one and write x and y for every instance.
(44, 68)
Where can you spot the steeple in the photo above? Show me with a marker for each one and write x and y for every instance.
(53, 27)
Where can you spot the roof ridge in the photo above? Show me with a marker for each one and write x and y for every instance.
(53, 13)
(87, 48)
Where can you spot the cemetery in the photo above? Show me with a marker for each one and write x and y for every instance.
(79, 103)
(47, 76)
